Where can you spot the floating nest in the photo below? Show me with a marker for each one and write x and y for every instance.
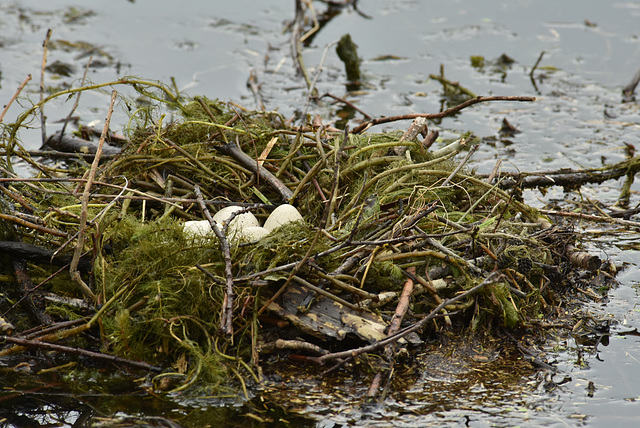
(398, 240)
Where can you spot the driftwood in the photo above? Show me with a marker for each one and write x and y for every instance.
(569, 178)
(583, 259)
(38, 254)
(68, 143)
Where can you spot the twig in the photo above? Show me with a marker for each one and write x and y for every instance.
(30, 225)
(418, 126)
(394, 326)
(336, 176)
(491, 279)
(296, 43)
(348, 103)
(533, 81)
(628, 90)
(73, 269)
(366, 125)
(227, 310)
(20, 88)
(590, 217)
(44, 64)
(472, 150)
(80, 351)
(75, 104)
(571, 178)
(255, 88)
(243, 159)
(313, 92)
(536, 64)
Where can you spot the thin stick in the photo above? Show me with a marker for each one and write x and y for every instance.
(227, 310)
(472, 150)
(627, 92)
(243, 159)
(73, 269)
(479, 99)
(77, 102)
(536, 64)
(44, 64)
(394, 326)
(20, 88)
(348, 103)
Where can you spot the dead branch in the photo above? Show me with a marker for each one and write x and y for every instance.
(479, 99)
(582, 259)
(628, 91)
(569, 178)
(42, 255)
(42, 68)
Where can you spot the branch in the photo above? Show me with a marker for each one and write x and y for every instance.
(227, 310)
(80, 351)
(366, 125)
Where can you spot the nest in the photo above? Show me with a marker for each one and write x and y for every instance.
(397, 240)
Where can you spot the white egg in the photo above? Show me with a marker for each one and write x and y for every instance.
(252, 234)
(283, 214)
(197, 228)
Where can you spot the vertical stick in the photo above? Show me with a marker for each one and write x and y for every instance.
(73, 269)
(44, 64)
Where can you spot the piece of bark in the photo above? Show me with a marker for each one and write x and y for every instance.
(582, 259)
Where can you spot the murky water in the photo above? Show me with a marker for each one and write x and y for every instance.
(592, 49)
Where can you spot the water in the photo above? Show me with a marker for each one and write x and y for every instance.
(592, 49)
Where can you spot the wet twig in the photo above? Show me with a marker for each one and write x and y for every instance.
(79, 351)
(628, 91)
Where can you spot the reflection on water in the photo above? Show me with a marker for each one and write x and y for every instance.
(209, 48)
